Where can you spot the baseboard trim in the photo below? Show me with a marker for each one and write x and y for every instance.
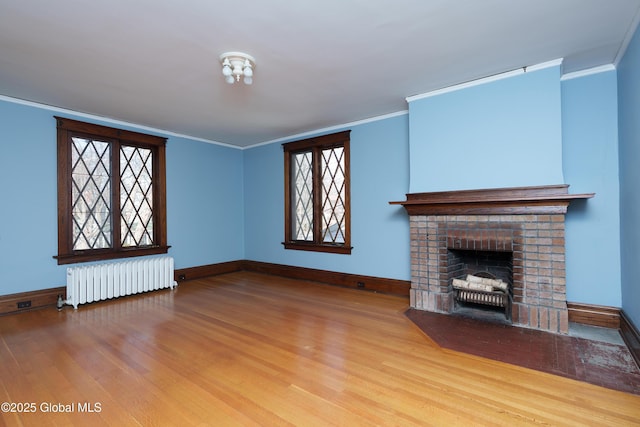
(631, 336)
(191, 273)
(594, 315)
(38, 299)
(357, 281)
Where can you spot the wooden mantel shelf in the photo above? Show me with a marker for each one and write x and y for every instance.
(548, 199)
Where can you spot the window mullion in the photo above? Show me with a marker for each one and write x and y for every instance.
(65, 192)
(347, 192)
(317, 195)
(288, 180)
(155, 188)
(292, 206)
(116, 209)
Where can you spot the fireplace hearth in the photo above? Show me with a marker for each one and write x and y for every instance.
(516, 235)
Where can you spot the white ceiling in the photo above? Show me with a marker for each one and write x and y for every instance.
(319, 63)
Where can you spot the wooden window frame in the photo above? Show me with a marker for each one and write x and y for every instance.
(66, 129)
(316, 145)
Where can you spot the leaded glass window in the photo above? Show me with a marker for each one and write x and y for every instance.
(317, 213)
(91, 193)
(333, 195)
(136, 196)
(303, 196)
(111, 193)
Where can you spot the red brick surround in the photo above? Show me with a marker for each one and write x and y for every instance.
(537, 245)
(526, 222)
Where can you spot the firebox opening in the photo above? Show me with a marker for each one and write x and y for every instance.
(471, 264)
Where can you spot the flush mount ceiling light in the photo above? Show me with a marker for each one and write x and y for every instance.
(236, 65)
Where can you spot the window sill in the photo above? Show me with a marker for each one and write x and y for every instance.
(313, 247)
(107, 254)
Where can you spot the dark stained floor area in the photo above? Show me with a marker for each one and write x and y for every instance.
(593, 361)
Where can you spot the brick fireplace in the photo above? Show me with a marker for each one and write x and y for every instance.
(514, 234)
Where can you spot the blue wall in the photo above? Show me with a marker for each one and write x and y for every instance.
(504, 133)
(204, 200)
(28, 191)
(629, 129)
(590, 159)
(379, 231)
(205, 214)
(226, 204)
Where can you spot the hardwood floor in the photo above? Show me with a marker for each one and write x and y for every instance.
(252, 349)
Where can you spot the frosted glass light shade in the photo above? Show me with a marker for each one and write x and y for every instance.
(236, 65)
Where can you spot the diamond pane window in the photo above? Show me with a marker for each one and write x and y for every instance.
(111, 193)
(136, 196)
(302, 196)
(333, 195)
(91, 193)
(317, 213)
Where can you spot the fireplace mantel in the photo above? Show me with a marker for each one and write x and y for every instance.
(548, 199)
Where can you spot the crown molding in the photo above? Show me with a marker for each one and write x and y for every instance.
(588, 72)
(485, 80)
(110, 121)
(329, 129)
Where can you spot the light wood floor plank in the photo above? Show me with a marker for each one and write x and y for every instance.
(253, 349)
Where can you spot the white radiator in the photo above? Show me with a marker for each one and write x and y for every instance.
(111, 280)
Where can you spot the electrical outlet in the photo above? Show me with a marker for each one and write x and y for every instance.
(361, 284)
(24, 304)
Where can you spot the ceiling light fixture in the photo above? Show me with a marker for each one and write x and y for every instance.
(236, 65)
